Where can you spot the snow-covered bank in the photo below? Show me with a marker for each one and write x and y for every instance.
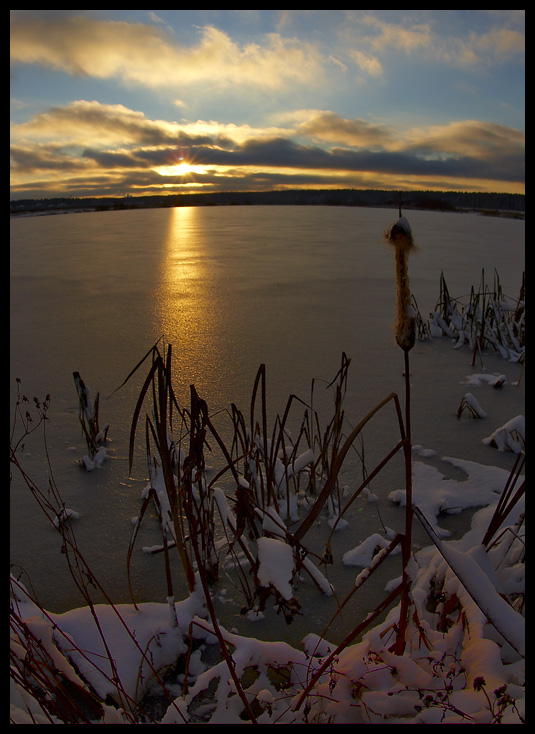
(463, 662)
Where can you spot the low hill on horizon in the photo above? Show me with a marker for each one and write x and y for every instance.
(490, 203)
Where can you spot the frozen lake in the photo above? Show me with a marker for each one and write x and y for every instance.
(231, 288)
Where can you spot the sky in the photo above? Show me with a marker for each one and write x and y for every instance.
(137, 102)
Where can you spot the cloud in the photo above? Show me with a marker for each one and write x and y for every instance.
(142, 54)
(82, 122)
(328, 126)
(397, 36)
(485, 141)
(367, 62)
(31, 158)
(371, 38)
(500, 44)
(283, 153)
(114, 147)
(90, 123)
(155, 18)
(462, 143)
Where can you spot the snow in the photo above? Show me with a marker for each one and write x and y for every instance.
(464, 658)
(434, 494)
(496, 380)
(403, 223)
(64, 514)
(364, 553)
(96, 462)
(276, 565)
(512, 435)
(476, 408)
(367, 683)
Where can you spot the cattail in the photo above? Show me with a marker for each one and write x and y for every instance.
(400, 237)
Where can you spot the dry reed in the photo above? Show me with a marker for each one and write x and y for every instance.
(488, 319)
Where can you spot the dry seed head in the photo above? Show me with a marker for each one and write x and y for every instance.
(400, 236)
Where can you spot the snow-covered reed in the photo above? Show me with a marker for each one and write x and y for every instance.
(488, 319)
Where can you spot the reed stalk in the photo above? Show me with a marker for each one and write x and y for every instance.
(88, 415)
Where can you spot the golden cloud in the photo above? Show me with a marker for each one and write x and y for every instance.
(474, 138)
(357, 132)
(142, 54)
(82, 122)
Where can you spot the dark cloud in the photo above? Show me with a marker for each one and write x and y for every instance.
(276, 153)
(284, 153)
(29, 159)
(112, 160)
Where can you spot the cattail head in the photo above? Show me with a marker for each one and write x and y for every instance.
(400, 237)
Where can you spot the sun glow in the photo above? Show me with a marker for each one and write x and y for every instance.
(183, 168)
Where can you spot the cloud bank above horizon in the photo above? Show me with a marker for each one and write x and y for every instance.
(110, 103)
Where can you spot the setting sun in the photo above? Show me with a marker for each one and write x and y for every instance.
(183, 168)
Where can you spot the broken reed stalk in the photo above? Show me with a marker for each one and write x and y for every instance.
(88, 416)
(400, 237)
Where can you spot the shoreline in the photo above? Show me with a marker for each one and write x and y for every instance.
(486, 204)
(22, 214)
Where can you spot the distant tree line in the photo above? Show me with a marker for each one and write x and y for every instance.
(430, 200)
